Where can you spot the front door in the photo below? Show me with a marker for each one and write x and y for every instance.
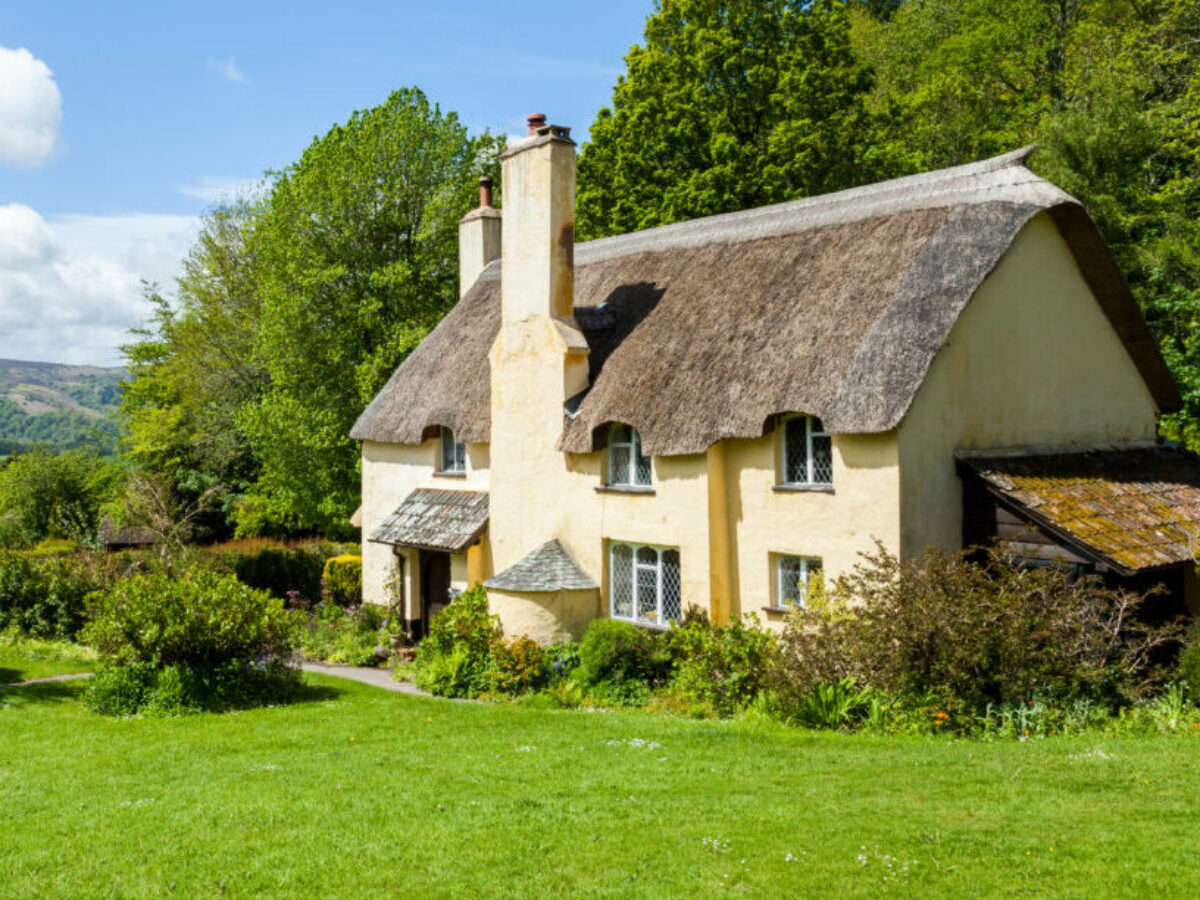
(435, 585)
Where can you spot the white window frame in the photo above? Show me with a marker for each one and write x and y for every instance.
(457, 463)
(659, 550)
(809, 434)
(809, 566)
(634, 448)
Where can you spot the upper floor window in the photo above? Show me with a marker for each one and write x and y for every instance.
(644, 584)
(626, 464)
(454, 454)
(807, 452)
(795, 576)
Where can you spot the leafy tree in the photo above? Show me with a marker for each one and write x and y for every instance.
(357, 250)
(47, 495)
(192, 366)
(730, 104)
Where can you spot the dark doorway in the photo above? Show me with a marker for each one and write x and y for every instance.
(435, 585)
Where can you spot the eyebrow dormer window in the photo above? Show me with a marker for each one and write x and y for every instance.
(626, 464)
(454, 454)
(807, 453)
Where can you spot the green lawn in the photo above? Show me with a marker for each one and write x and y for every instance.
(30, 658)
(362, 793)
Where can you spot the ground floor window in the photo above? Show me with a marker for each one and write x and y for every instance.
(795, 575)
(644, 583)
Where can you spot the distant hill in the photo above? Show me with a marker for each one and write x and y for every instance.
(58, 405)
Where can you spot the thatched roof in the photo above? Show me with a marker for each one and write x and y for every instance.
(548, 568)
(1134, 508)
(833, 305)
(432, 519)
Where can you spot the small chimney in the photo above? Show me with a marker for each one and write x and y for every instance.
(539, 224)
(478, 238)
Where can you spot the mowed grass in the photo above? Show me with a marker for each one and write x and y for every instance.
(362, 793)
(30, 658)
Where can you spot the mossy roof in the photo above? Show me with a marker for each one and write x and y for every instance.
(1136, 508)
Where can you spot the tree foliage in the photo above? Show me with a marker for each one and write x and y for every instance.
(730, 104)
(43, 494)
(358, 244)
(295, 305)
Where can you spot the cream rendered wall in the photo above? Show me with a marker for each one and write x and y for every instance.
(390, 472)
(1032, 361)
(833, 527)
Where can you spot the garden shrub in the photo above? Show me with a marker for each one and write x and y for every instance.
(142, 688)
(276, 567)
(621, 660)
(724, 665)
(1188, 673)
(174, 645)
(973, 635)
(519, 666)
(204, 620)
(342, 580)
(454, 659)
(44, 595)
(356, 635)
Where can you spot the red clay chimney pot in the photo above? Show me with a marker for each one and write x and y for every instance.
(485, 192)
(536, 121)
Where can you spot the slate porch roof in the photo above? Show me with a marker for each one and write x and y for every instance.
(1135, 508)
(548, 568)
(434, 519)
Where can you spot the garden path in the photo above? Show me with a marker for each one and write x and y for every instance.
(380, 678)
(47, 679)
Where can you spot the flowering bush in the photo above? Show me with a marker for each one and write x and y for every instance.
(354, 635)
(622, 662)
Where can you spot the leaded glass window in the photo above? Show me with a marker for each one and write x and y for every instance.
(807, 452)
(644, 584)
(454, 454)
(795, 576)
(626, 463)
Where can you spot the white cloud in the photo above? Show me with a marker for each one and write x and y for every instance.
(219, 188)
(70, 288)
(228, 69)
(30, 109)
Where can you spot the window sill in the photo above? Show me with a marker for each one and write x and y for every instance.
(639, 623)
(779, 610)
(803, 488)
(624, 489)
(449, 474)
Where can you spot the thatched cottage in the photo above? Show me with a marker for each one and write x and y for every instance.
(714, 412)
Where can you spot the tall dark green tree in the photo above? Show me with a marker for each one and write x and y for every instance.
(730, 104)
(357, 249)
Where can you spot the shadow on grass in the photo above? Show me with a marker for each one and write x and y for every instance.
(7, 676)
(45, 694)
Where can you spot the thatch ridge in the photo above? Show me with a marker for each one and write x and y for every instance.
(833, 305)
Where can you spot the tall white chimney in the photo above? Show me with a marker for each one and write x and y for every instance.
(478, 238)
(539, 224)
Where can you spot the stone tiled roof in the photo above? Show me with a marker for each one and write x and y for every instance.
(436, 520)
(547, 568)
(1137, 508)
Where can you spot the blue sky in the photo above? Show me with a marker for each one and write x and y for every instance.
(120, 122)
